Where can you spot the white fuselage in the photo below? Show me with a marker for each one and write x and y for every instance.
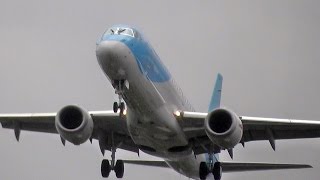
(151, 106)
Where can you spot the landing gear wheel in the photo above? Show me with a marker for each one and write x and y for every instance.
(105, 168)
(203, 170)
(122, 107)
(216, 171)
(120, 87)
(119, 169)
(115, 107)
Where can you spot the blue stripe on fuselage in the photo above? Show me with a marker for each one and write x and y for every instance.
(148, 61)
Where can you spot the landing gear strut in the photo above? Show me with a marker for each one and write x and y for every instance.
(116, 166)
(119, 86)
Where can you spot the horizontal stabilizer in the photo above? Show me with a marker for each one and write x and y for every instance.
(228, 166)
(239, 166)
(147, 163)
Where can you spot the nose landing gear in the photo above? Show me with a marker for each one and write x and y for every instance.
(120, 86)
(117, 106)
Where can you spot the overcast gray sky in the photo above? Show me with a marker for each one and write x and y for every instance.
(268, 52)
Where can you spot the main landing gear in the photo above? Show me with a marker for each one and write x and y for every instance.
(116, 166)
(106, 168)
(204, 171)
(215, 169)
(119, 86)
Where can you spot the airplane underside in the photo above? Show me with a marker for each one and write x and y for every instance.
(150, 120)
(152, 115)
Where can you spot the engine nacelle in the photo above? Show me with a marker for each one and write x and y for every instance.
(224, 128)
(74, 124)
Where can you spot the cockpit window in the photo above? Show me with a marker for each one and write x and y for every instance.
(120, 31)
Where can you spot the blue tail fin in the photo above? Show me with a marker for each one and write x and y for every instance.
(216, 95)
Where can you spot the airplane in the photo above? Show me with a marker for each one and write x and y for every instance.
(152, 115)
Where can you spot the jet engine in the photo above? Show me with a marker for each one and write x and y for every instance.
(224, 128)
(74, 124)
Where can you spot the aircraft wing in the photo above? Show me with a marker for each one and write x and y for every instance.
(254, 129)
(106, 123)
(257, 128)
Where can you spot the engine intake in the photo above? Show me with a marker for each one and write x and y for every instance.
(224, 128)
(74, 124)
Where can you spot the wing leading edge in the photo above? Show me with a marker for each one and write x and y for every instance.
(254, 129)
(106, 124)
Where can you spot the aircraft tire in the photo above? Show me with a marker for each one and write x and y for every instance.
(203, 170)
(122, 107)
(105, 168)
(119, 169)
(217, 171)
(115, 107)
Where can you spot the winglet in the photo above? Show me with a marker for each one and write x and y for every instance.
(216, 95)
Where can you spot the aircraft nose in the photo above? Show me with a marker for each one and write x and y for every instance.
(113, 57)
(107, 48)
(110, 51)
